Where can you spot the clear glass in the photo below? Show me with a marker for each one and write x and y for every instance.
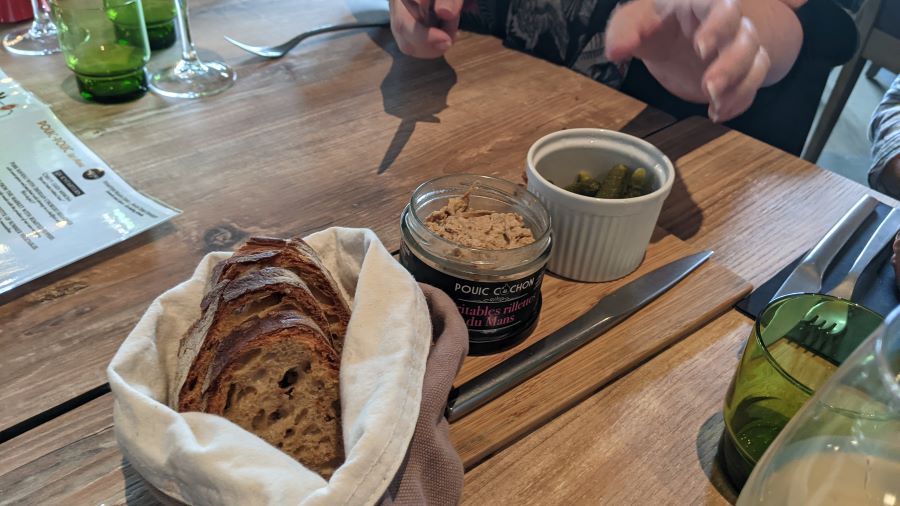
(498, 292)
(107, 52)
(38, 39)
(785, 361)
(843, 447)
(485, 193)
(190, 77)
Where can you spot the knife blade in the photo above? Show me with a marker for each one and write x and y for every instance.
(807, 276)
(606, 314)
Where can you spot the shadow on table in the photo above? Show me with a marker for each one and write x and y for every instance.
(414, 90)
(139, 492)
(680, 214)
(707, 450)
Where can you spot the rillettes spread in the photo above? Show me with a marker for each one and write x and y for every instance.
(479, 228)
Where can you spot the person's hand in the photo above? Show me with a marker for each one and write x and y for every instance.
(703, 51)
(425, 28)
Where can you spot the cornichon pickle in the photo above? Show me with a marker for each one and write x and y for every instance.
(613, 186)
(584, 185)
(637, 183)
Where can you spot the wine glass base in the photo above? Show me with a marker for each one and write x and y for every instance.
(35, 40)
(192, 79)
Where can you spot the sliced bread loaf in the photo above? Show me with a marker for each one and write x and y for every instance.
(233, 304)
(278, 378)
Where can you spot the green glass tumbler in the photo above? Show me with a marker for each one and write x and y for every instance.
(159, 17)
(786, 359)
(159, 21)
(109, 63)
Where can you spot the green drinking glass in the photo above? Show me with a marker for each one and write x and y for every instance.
(159, 20)
(786, 359)
(108, 62)
(159, 17)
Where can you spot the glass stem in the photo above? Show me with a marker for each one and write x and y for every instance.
(188, 53)
(41, 17)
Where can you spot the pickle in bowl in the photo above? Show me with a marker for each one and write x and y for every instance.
(620, 182)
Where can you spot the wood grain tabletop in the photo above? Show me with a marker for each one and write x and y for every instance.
(339, 132)
(650, 436)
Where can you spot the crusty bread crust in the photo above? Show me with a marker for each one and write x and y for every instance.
(297, 256)
(265, 352)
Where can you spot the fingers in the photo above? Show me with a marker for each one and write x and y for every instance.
(448, 9)
(628, 26)
(734, 61)
(731, 102)
(448, 12)
(413, 37)
(720, 21)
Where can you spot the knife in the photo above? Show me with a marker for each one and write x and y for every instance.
(807, 276)
(606, 314)
(880, 238)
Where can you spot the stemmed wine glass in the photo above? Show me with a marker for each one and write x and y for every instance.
(38, 39)
(190, 77)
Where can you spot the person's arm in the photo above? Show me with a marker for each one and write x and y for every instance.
(718, 52)
(884, 132)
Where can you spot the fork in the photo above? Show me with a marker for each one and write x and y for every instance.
(283, 48)
(830, 316)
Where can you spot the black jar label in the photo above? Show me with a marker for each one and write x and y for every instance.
(493, 311)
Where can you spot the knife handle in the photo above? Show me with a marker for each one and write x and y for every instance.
(523, 365)
(824, 252)
(882, 236)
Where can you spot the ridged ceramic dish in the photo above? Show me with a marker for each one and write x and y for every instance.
(597, 239)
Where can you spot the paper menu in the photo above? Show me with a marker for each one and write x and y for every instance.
(59, 202)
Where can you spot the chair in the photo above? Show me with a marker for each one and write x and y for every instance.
(878, 24)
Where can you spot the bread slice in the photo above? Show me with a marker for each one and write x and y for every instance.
(233, 304)
(278, 378)
(298, 257)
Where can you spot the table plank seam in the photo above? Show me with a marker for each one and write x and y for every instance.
(54, 412)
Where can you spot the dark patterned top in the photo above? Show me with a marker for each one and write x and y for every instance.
(565, 32)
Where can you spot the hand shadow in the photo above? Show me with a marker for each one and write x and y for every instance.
(414, 90)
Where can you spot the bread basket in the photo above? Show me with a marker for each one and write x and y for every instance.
(390, 405)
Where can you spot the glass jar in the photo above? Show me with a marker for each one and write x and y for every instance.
(497, 292)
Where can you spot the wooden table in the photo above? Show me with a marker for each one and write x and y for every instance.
(320, 123)
(345, 128)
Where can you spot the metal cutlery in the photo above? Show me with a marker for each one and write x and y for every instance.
(831, 316)
(807, 276)
(607, 313)
(282, 49)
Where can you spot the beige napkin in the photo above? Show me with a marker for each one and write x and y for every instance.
(204, 459)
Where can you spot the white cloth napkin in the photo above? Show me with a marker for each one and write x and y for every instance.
(205, 459)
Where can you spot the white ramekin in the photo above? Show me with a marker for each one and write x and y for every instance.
(597, 239)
